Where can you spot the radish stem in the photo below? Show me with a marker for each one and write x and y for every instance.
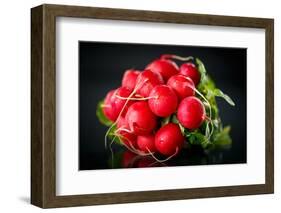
(162, 161)
(167, 56)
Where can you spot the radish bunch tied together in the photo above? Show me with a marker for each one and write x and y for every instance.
(165, 108)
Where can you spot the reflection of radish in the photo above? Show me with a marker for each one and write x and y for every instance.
(146, 143)
(129, 79)
(107, 107)
(190, 70)
(182, 85)
(146, 81)
(146, 162)
(140, 118)
(169, 139)
(127, 158)
(191, 112)
(163, 101)
(165, 67)
(118, 103)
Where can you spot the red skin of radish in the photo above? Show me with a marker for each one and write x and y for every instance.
(165, 67)
(108, 109)
(122, 123)
(169, 139)
(191, 112)
(129, 139)
(130, 78)
(118, 103)
(146, 143)
(163, 101)
(146, 81)
(123, 129)
(140, 118)
(190, 70)
(182, 85)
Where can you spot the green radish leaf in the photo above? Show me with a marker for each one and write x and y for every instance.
(219, 93)
(201, 68)
(223, 138)
(197, 138)
(175, 119)
(101, 116)
(215, 110)
(112, 135)
(209, 83)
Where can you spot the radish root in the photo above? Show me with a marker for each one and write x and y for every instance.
(135, 99)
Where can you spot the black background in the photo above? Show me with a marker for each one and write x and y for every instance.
(101, 66)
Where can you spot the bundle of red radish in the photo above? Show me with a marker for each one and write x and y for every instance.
(164, 108)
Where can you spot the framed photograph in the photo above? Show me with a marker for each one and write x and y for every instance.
(137, 106)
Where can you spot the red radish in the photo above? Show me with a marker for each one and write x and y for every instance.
(182, 85)
(127, 158)
(118, 103)
(169, 139)
(191, 112)
(122, 123)
(146, 81)
(165, 67)
(123, 130)
(140, 118)
(128, 138)
(146, 143)
(129, 79)
(107, 107)
(163, 101)
(190, 70)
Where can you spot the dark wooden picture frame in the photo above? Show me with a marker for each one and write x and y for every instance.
(43, 105)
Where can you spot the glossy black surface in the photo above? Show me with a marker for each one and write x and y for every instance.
(101, 66)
